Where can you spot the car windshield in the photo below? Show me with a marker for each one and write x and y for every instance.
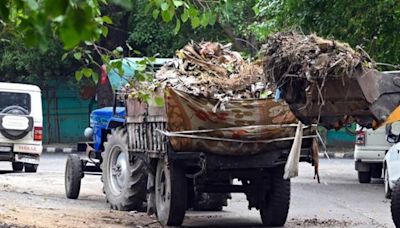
(8, 99)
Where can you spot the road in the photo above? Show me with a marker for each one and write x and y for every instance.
(38, 200)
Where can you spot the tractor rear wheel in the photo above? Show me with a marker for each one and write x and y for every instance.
(124, 180)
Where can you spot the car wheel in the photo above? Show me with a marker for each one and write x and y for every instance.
(17, 166)
(30, 168)
(364, 177)
(395, 205)
(388, 191)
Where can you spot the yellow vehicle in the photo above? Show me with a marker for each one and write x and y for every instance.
(371, 99)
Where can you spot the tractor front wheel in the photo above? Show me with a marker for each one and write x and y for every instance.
(73, 176)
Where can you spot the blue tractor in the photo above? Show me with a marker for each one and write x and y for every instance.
(107, 151)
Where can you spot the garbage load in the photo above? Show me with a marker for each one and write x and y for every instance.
(327, 82)
(215, 71)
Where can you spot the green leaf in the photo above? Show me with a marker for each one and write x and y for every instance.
(137, 52)
(178, 3)
(95, 77)
(78, 75)
(64, 56)
(159, 101)
(195, 22)
(164, 6)
(119, 49)
(166, 16)
(193, 12)
(204, 20)
(212, 18)
(156, 12)
(107, 19)
(77, 55)
(177, 26)
(104, 31)
(87, 72)
(185, 15)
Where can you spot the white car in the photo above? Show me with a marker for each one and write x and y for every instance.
(392, 171)
(21, 125)
(370, 149)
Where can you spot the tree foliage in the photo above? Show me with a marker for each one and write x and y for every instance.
(372, 24)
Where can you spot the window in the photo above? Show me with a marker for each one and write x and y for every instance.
(8, 99)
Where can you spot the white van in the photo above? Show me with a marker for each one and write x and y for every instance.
(370, 149)
(21, 125)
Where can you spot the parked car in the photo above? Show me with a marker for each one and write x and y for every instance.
(392, 171)
(370, 149)
(21, 125)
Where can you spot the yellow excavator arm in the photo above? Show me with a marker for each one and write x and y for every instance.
(394, 116)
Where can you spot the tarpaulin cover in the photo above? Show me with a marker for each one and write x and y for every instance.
(250, 126)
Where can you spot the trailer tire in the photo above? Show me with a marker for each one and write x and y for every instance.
(210, 201)
(17, 166)
(275, 206)
(124, 181)
(73, 176)
(171, 191)
(30, 168)
(364, 177)
(395, 204)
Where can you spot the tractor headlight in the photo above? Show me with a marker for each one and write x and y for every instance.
(88, 133)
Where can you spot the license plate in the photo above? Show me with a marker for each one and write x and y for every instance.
(24, 159)
(28, 148)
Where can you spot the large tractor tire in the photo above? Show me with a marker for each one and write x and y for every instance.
(73, 176)
(395, 205)
(171, 193)
(210, 201)
(275, 207)
(124, 181)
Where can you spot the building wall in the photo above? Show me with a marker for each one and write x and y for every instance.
(65, 114)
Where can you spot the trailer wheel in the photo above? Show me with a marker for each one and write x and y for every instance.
(210, 201)
(124, 181)
(395, 205)
(17, 166)
(73, 176)
(275, 207)
(364, 177)
(171, 191)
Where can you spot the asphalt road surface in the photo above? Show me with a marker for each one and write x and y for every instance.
(38, 200)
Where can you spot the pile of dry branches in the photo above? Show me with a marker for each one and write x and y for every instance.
(213, 70)
(310, 57)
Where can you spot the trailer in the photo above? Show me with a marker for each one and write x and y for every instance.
(185, 155)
